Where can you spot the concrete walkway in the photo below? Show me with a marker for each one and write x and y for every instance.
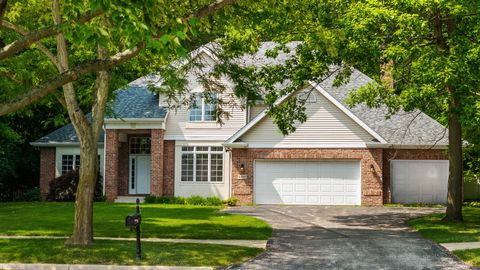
(227, 242)
(41, 266)
(461, 245)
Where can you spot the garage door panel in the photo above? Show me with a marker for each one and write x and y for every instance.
(419, 181)
(307, 182)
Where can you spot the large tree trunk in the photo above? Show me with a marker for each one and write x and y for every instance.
(83, 228)
(455, 177)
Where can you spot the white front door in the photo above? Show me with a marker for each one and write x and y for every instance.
(419, 181)
(307, 182)
(139, 180)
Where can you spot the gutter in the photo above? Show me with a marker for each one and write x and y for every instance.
(406, 146)
(56, 144)
(235, 145)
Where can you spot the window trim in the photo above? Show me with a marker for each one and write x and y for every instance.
(209, 152)
(202, 112)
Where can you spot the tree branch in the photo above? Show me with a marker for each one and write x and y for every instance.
(23, 32)
(207, 10)
(66, 77)
(32, 37)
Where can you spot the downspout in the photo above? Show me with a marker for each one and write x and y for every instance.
(104, 155)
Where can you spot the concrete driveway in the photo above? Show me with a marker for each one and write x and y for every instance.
(337, 237)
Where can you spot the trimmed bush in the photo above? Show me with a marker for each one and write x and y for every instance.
(213, 201)
(472, 204)
(196, 200)
(231, 202)
(64, 188)
(164, 200)
(193, 200)
(149, 199)
(179, 200)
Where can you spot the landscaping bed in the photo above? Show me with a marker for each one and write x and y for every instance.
(160, 221)
(122, 253)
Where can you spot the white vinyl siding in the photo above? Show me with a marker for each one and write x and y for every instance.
(75, 151)
(256, 110)
(179, 126)
(202, 168)
(326, 125)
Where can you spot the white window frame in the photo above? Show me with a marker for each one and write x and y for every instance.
(195, 152)
(202, 118)
(75, 161)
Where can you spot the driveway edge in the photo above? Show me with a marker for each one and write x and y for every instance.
(42, 266)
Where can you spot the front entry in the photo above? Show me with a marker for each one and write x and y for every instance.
(139, 180)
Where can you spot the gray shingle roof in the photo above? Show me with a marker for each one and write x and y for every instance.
(410, 128)
(136, 101)
(64, 135)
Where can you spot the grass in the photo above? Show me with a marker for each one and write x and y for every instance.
(123, 253)
(162, 221)
(470, 256)
(432, 227)
(414, 205)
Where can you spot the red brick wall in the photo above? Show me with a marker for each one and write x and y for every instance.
(168, 168)
(371, 181)
(47, 169)
(409, 154)
(156, 159)
(111, 164)
(123, 168)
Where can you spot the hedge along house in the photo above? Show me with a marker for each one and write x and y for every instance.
(339, 156)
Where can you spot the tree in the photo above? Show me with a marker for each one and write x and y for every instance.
(105, 34)
(421, 55)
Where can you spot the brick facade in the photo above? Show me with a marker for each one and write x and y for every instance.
(162, 162)
(47, 169)
(371, 180)
(156, 162)
(408, 154)
(168, 168)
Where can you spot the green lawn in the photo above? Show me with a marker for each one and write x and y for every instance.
(123, 253)
(163, 221)
(470, 256)
(432, 227)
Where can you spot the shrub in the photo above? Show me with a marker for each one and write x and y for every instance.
(64, 188)
(196, 200)
(164, 200)
(231, 201)
(149, 199)
(213, 201)
(472, 203)
(30, 195)
(179, 200)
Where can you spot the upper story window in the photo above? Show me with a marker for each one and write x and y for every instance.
(203, 108)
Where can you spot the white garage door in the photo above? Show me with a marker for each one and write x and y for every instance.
(307, 182)
(419, 181)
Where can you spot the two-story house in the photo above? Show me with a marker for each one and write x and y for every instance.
(339, 156)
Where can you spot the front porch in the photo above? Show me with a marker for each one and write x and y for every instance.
(135, 161)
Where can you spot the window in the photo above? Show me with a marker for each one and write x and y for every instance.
(202, 164)
(70, 162)
(203, 108)
(140, 145)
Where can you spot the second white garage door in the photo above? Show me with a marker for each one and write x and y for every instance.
(307, 182)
